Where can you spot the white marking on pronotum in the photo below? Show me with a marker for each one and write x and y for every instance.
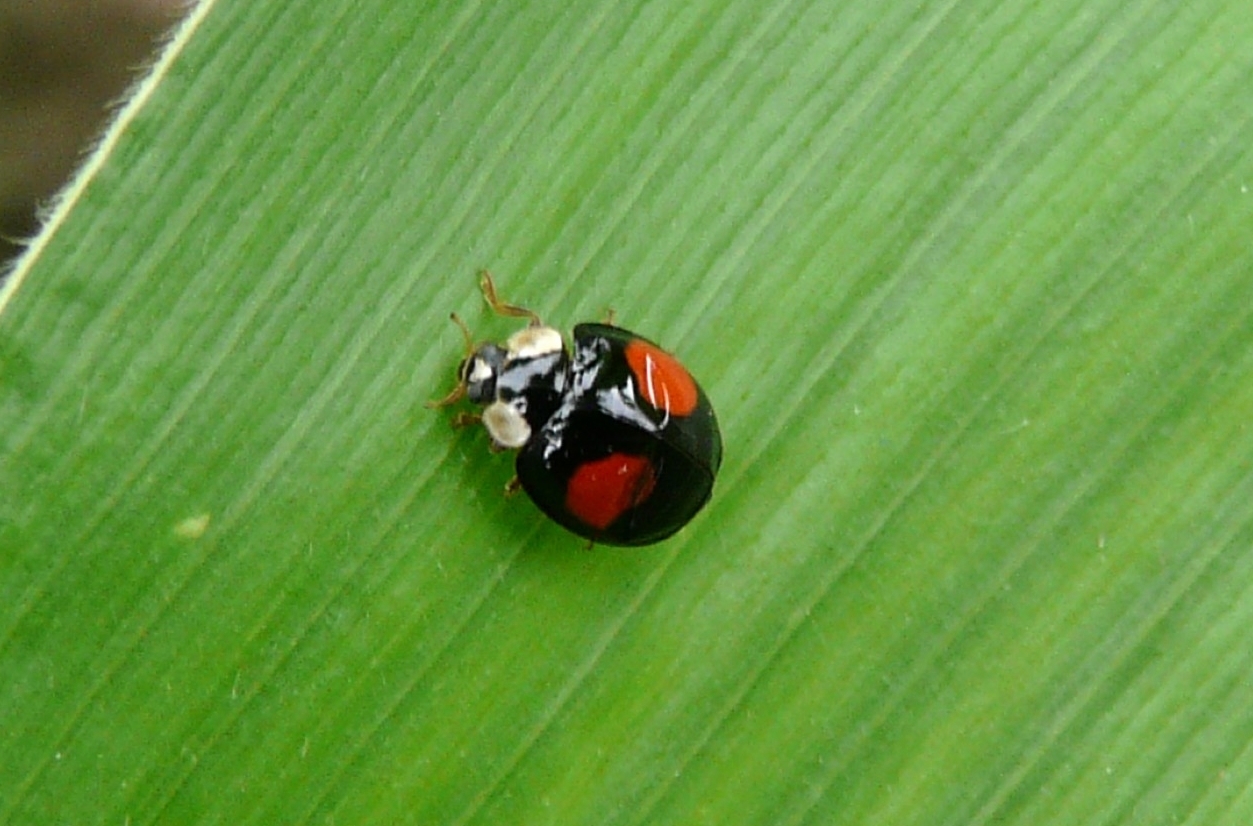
(534, 342)
(506, 425)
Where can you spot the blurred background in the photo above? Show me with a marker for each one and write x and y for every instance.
(64, 66)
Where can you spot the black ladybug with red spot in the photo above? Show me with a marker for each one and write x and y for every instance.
(616, 441)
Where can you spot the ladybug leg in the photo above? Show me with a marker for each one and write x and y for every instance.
(611, 317)
(513, 486)
(459, 392)
(465, 419)
(488, 286)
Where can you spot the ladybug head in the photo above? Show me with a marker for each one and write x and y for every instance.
(479, 371)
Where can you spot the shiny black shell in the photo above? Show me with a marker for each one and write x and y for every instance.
(606, 418)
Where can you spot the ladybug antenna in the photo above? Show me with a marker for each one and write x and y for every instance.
(465, 333)
(459, 392)
(488, 286)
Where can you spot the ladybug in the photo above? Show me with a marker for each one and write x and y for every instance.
(615, 440)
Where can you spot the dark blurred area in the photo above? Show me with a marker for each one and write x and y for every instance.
(64, 65)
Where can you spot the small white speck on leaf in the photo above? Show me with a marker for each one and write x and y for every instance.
(193, 527)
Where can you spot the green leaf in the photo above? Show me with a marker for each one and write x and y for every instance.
(969, 285)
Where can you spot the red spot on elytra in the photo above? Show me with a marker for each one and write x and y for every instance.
(664, 381)
(601, 491)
